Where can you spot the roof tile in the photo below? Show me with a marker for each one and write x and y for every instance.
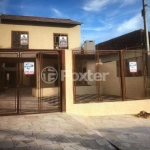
(38, 19)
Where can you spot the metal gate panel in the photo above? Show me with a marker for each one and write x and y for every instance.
(50, 81)
(28, 83)
(29, 92)
(8, 83)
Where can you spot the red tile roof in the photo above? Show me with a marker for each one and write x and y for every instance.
(39, 19)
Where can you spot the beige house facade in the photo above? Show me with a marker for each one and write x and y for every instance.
(40, 33)
(40, 58)
(36, 44)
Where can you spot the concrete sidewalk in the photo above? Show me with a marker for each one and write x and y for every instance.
(61, 131)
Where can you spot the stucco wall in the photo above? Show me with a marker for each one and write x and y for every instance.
(112, 85)
(53, 91)
(134, 87)
(99, 109)
(40, 37)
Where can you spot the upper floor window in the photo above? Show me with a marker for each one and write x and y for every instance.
(19, 39)
(60, 41)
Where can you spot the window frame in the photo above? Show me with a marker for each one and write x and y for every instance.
(18, 43)
(60, 34)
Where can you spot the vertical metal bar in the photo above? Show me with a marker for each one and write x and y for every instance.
(41, 61)
(122, 75)
(38, 79)
(15, 101)
(63, 82)
(144, 73)
(18, 101)
(16, 98)
(74, 82)
(60, 88)
(98, 70)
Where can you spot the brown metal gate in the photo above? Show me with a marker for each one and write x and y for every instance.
(30, 82)
(115, 77)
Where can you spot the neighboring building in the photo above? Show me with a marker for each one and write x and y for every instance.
(133, 40)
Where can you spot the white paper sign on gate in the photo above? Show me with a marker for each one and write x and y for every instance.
(133, 67)
(28, 68)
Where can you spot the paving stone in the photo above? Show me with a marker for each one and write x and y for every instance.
(122, 137)
(43, 141)
(31, 137)
(90, 144)
(21, 144)
(43, 135)
(1, 145)
(35, 127)
(8, 144)
(76, 139)
(2, 140)
(68, 135)
(125, 131)
(47, 126)
(78, 147)
(68, 148)
(16, 142)
(25, 127)
(69, 144)
(142, 135)
(93, 136)
(82, 133)
(33, 148)
(51, 147)
(27, 133)
(3, 134)
(111, 147)
(17, 148)
(118, 144)
(146, 145)
(32, 144)
(55, 131)
(102, 142)
(112, 138)
(36, 132)
(126, 144)
(8, 139)
(18, 137)
(59, 119)
(74, 132)
(61, 139)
